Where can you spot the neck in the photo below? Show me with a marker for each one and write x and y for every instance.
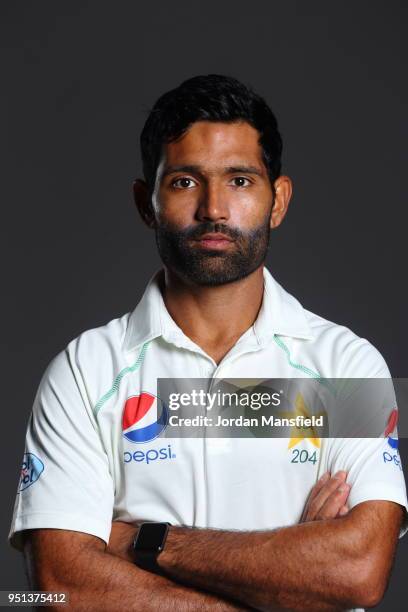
(214, 317)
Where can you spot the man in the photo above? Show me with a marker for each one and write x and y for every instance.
(251, 527)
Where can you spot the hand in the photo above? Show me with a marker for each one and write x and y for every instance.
(121, 540)
(328, 498)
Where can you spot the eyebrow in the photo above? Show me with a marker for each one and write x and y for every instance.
(194, 169)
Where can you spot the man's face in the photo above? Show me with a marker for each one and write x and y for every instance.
(213, 181)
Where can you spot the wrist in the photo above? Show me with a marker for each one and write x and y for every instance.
(167, 558)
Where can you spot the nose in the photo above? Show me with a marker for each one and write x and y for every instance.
(213, 205)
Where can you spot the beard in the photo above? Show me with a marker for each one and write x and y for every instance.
(208, 267)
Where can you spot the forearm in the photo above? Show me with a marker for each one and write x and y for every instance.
(117, 585)
(96, 580)
(321, 566)
(307, 567)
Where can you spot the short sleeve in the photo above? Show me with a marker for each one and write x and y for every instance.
(374, 466)
(65, 480)
(374, 470)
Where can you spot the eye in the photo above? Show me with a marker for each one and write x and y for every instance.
(241, 181)
(183, 183)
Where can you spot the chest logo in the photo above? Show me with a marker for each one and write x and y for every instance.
(144, 418)
(300, 434)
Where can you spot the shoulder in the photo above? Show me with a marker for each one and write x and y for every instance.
(331, 349)
(92, 344)
(90, 360)
(346, 353)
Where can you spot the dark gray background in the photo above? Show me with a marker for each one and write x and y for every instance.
(77, 81)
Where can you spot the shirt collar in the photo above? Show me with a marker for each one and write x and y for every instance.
(280, 314)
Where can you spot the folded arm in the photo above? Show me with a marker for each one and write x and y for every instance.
(94, 580)
(334, 561)
(324, 565)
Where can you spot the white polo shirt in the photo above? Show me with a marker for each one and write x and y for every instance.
(94, 451)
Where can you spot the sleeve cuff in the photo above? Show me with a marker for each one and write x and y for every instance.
(382, 491)
(72, 522)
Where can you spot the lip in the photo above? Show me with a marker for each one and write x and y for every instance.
(214, 241)
(216, 237)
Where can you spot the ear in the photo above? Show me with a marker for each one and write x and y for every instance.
(143, 202)
(283, 193)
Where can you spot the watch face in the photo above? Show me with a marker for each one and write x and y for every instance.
(150, 536)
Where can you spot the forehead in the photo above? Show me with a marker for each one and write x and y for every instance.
(208, 141)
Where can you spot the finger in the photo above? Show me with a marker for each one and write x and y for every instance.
(334, 503)
(314, 505)
(317, 487)
(314, 491)
(343, 511)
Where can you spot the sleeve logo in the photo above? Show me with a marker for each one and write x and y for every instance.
(391, 435)
(31, 469)
(391, 429)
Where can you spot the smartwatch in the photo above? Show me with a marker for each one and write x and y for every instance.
(148, 544)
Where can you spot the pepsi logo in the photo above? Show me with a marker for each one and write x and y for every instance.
(144, 418)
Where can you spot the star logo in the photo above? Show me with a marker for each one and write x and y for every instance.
(298, 434)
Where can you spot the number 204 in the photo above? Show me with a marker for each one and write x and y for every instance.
(302, 456)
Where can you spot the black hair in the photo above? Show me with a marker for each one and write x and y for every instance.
(211, 97)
